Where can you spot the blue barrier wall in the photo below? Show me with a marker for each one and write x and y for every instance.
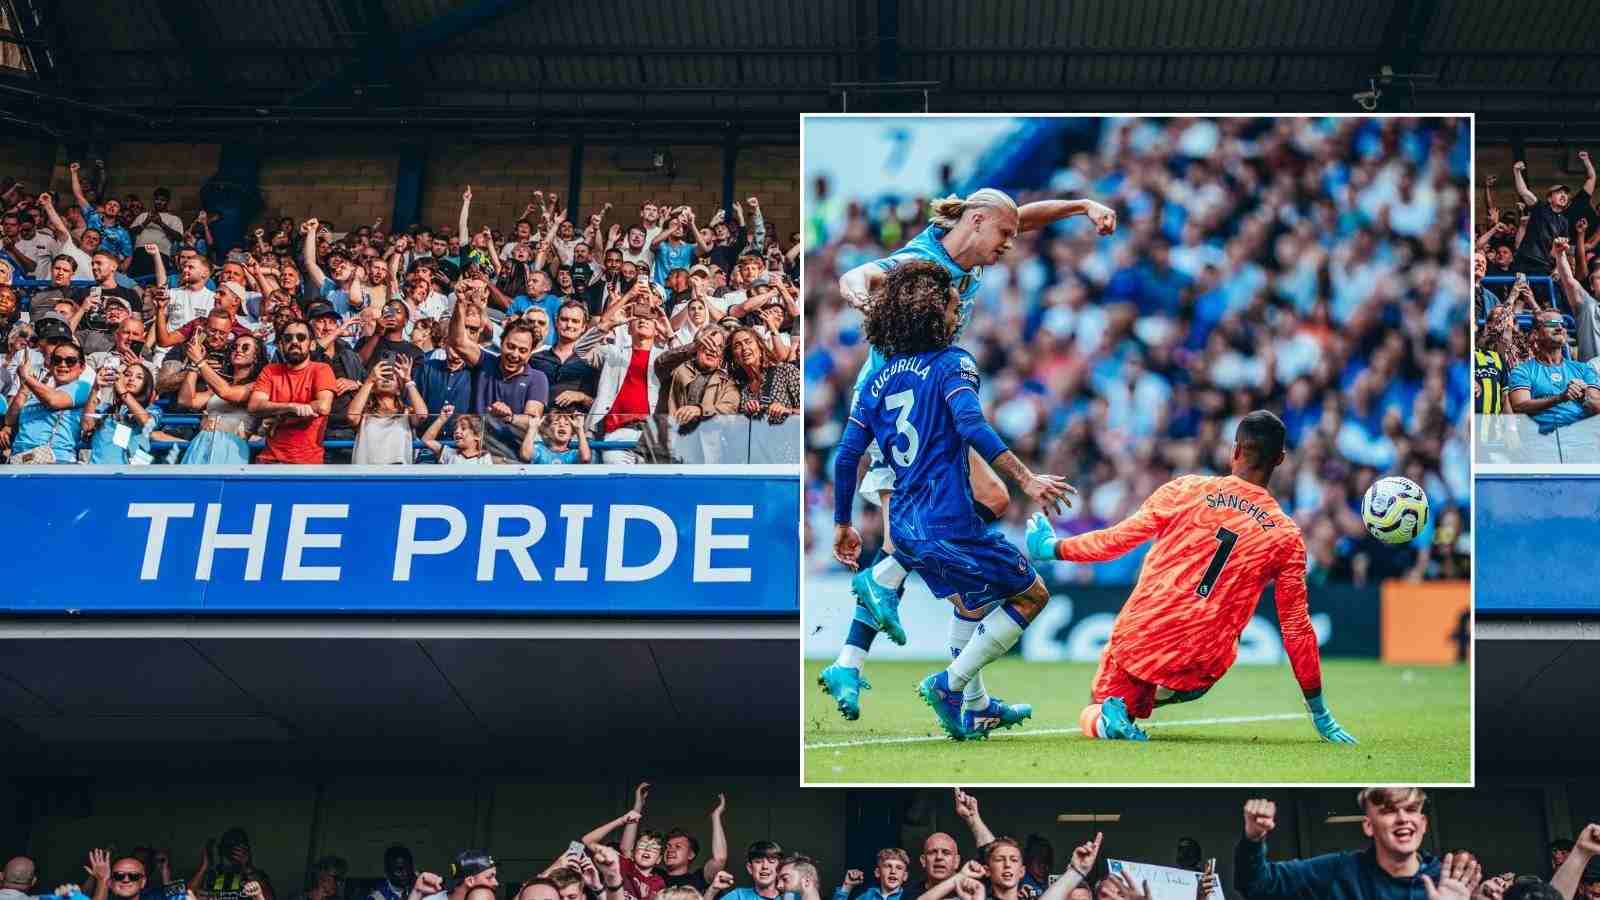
(600, 541)
(1534, 536)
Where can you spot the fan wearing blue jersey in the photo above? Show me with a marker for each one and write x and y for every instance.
(922, 409)
(964, 235)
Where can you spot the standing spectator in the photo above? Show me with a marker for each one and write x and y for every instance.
(797, 877)
(761, 861)
(629, 385)
(158, 226)
(328, 347)
(325, 881)
(890, 872)
(298, 394)
(42, 422)
(106, 219)
(61, 272)
(230, 873)
(766, 389)
(557, 434)
(641, 853)
(682, 848)
(672, 248)
(119, 431)
(445, 380)
(1582, 303)
(696, 386)
(1547, 219)
(384, 434)
(389, 338)
(1038, 861)
(505, 388)
(1560, 849)
(222, 394)
(573, 379)
(399, 874)
(1393, 869)
(468, 436)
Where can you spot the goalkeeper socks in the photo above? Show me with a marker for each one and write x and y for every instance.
(889, 573)
(996, 634)
(974, 696)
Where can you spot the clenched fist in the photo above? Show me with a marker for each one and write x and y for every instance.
(1260, 817)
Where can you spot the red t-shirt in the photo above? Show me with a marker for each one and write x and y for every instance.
(295, 440)
(633, 400)
(636, 883)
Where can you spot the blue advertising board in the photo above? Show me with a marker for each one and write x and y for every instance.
(590, 541)
(1535, 530)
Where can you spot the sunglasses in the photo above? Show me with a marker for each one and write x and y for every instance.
(1554, 325)
(127, 877)
(294, 338)
(59, 360)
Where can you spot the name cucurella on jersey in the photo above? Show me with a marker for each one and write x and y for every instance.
(908, 364)
(1249, 508)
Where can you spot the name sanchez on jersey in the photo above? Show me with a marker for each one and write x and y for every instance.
(904, 364)
(1249, 508)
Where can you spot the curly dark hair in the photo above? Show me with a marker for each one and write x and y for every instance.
(907, 314)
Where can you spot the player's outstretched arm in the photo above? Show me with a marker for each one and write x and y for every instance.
(1049, 491)
(1040, 213)
(1300, 642)
(1105, 543)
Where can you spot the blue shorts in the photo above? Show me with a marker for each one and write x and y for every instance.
(978, 570)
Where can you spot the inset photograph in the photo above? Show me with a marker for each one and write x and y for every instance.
(1137, 430)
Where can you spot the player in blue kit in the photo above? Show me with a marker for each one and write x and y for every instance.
(921, 407)
(964, 236)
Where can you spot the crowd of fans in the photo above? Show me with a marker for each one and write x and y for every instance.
(133, 337)
(1537, 274)
(667, 865)
(1314, 267)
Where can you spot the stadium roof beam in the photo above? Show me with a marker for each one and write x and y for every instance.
(1401, 48)
(377, 51)
(191, 23)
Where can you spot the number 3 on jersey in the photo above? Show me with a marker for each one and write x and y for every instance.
(901, 403)
(1225, 541)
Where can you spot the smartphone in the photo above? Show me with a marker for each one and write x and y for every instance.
(576, 848)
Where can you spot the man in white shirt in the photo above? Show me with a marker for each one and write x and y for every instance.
(158, 226)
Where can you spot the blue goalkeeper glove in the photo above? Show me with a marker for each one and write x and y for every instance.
(1326, 726)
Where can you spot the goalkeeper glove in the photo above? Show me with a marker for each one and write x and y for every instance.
(1326, 726)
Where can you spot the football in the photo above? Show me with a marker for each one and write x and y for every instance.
(1395, 509)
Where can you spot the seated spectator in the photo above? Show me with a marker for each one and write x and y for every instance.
(43, 420)
(765, 389)
(120, 431)
(1550, 387)
(297, 395)
(383, 412)
(222, 394)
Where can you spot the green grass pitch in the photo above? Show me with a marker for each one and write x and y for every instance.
(1413, 723)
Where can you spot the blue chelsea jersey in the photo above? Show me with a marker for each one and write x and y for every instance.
(905, 407)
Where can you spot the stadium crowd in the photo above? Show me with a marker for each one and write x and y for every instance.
(645, 864)
(132, 336)
(1315, 267)
(1537, 274)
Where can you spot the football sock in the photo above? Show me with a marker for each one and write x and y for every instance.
(996, 634)
(889, 573)
(961, 629)
(853, 655)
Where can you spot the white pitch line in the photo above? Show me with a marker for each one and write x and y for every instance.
(1044, 732)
